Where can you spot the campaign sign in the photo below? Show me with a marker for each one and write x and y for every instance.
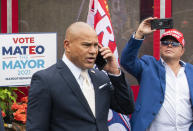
(21, 55)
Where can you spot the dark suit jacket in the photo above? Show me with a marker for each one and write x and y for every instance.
(1, 122)
(56, 102)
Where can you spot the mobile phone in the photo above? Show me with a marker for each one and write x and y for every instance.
(100, 61)
(162, 23)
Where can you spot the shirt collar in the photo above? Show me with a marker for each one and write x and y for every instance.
(182, 63)
(73, 68)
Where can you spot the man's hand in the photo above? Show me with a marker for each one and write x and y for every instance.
(112, 65)
(144, 28)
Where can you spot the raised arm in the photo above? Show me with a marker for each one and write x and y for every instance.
(129, 59)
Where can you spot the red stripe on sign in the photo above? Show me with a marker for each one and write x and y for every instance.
(156, 35)
(168, 9)
(3, 16)
(14, 16)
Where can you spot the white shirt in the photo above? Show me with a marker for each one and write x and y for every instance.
(175, 113)
(75, 71)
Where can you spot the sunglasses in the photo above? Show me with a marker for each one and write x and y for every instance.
(174, 44)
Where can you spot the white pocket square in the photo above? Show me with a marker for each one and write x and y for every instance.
(100, 87)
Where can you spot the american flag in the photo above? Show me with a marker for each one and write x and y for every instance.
(99, 19)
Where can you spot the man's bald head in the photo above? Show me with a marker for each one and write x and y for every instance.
(76, 29)
(81, 45)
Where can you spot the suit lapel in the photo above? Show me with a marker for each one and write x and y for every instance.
(73, 84)
(189, 77)
(95, 85)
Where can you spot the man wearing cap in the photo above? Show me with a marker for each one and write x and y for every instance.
(165, 98)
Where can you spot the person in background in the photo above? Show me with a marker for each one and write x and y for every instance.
(71, 95)
(165, 97)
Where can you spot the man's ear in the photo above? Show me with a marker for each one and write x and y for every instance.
(66, 45)
(182, 51)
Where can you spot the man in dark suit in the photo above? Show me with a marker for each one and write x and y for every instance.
(1, 122)
(61, 98)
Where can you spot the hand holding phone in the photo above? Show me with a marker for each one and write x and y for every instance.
(106, 60)
(100, 61)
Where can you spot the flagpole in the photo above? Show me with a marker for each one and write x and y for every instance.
(80, 10)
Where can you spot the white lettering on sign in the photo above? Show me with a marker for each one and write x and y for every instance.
(104, 26)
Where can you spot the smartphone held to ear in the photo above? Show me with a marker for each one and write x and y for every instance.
(162, 23)
(100, 61)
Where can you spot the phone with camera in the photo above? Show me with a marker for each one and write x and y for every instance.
(162, 23)
(100, 61)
